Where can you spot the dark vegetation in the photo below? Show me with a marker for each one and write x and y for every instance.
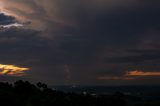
(23, 93)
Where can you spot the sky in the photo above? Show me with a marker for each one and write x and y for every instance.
(80, 42)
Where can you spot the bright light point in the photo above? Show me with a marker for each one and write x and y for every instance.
(12, 70)
(141, 73)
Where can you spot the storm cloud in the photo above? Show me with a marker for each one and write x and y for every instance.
(74, 42)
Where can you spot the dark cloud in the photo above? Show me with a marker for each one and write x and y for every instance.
(137, 58)
(5, 20)
(81, 39)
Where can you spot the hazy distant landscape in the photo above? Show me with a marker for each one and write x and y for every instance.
(141, 91)
(151, 93)
(23, 93)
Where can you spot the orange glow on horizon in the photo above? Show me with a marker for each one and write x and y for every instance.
(12, 70)
(114, 78)
(141, 73)
(129, 75)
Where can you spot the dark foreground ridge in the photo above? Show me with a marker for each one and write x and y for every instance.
(23, 93)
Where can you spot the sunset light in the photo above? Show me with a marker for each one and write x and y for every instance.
(115, 78)
(129, 75)
(12, 70)
(141, 73)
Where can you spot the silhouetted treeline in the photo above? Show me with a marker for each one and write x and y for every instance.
(23, 93)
